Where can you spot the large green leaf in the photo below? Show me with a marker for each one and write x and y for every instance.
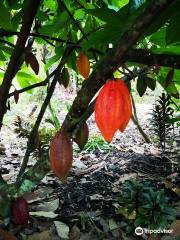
(151, 83)
(170, 49)
(173, 30)
(116, 4)
(26, 76)
(116, 24)
(52, 5)
(163, 18)
(159, 38)
(141, 85)
(5, 21)
(2, 56)
(24, 83)
(105, 14)
(172, 87)
(55, 26)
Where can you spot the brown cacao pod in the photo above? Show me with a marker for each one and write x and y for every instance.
(83, 65)
(31, 59)
(108, 109)
(82, 136)
(64, 80)
(16, 96)
(20, 211)
(61, 154)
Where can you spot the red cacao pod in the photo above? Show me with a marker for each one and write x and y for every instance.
(108, 109)
(83, 65)
(82, 136)
(126, 105)
(20, 211)
(61, 154)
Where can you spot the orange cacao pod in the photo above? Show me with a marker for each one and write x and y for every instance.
(83, 65)
(108, 109)
(126, 106)
(61, 154)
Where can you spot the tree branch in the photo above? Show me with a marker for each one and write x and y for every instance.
(40, 84)
(147, 58)
(109, 64)
(141, 56)
(136, 122)
(15, 60)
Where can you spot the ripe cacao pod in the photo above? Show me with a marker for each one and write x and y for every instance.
(82, 136)
(20, 211)
(61, 154)
(126, 106)
(108, 109)
(83, 65)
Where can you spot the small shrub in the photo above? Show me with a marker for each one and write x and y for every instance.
(144, 206)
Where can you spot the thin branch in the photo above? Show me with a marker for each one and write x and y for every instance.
(147, 58)
(136, 122)
(77, 25)
(8, 43)
(72, 18)
(16, 56)
(40, 84)
(38, 35)
(141, 56)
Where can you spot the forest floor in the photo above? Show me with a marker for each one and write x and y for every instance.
(86, 206)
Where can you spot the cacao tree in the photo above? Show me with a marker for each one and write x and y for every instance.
(95, 39)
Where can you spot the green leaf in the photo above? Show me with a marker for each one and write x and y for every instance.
(159, 38)
(7, 50)
(5, 21)
(169, 78)
(55, 26)
(52, 5)
(105, 14)
(173, 120)
(51, 61)
(141, 86)
(27, 78)
(117, 24)
(163, 18)
(151, 83)
(79, 14)
(2, 56)
(1, 77)
(23, 82)
(173, 32)
(16, 20)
